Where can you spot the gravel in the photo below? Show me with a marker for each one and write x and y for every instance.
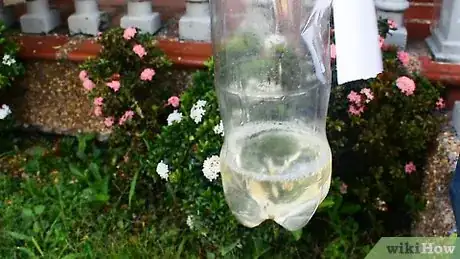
(438, 219)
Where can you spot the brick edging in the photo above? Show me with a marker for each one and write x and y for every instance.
(58, 47)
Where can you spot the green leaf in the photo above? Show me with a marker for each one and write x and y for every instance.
(327, 203)
(18, 236)
(27, 251)
(297, 234)
(132, 189)
(71, 256)
(227, 249)
(75, 171)
(39, 209)
(28, 213)
(350, 209)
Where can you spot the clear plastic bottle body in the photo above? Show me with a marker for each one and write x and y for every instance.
(272, 75)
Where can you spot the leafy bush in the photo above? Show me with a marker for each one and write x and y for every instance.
(124, 81)
(10, 68)
(380, 131)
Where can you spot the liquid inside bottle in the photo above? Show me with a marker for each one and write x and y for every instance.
(275, 170)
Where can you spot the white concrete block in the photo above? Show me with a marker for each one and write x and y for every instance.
(196, 28)
(42, 22)
(88, 23)
(147, 23)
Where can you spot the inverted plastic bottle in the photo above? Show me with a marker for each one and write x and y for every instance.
(273, 79)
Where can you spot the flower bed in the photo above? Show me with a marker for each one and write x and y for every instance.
(154, 189)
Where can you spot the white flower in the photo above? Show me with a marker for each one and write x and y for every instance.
(201, 103)
(219, 129)
(211, 168)
(174, 117)
(190, 222)
(197, 112)
(8, 60)
(163, 170)
(4, 111)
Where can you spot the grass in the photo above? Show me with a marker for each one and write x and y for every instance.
(64, 198)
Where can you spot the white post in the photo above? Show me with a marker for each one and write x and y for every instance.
(444, 42)
(394, 10)
(6, 14)
(196, 22)
(39, 17)
(140, 15)
(87, 18)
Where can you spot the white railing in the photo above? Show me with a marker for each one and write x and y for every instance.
(444, 42)
(88, 19)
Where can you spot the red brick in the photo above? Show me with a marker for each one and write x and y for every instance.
(40, 47)
(419, 12)
(417, 31)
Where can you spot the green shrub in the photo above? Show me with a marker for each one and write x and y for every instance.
(10, 67)
(127, 78)
(379, 155)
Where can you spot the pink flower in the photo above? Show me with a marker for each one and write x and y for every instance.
(381, 41)
(440, 104)
(410, 168)
(333, 51)
(83, 75)
(343, 188)
(88, 84)
(174, 101)
(392, 24)
(147, 74)
(353, 110)
(404, 57)
(406, 85)
(109, 121)
(126, 117)
(115, 85)
(139, 50)
(98, 101)
(99, 34)
(354, 97)
(368, 93)
(129, 33)
(98, 111)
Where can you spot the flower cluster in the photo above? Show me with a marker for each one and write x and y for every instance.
(219, 129)
(4, 111)
(406, 85)
(211, 168)
(358, 101)
(8, 60)
(197, 112)
(163, 170)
